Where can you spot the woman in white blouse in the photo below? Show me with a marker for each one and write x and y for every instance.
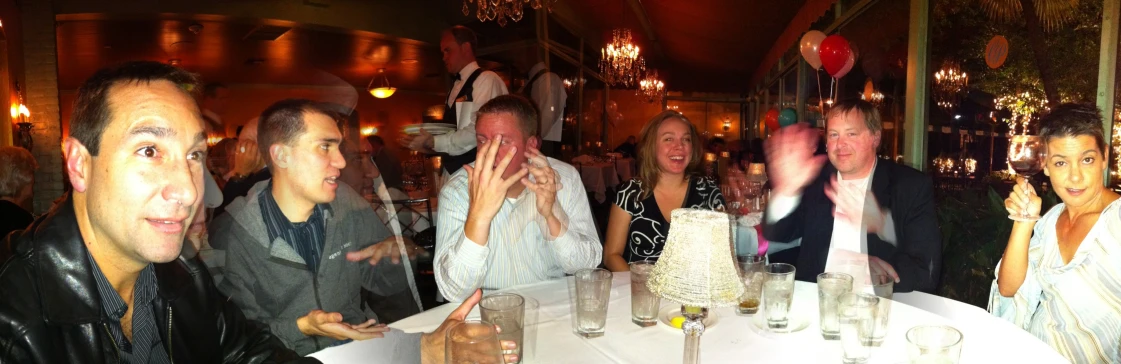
(1060, 277)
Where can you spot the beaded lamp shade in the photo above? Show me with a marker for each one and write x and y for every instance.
(697, 267)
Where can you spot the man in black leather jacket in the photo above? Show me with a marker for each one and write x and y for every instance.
(135, 157)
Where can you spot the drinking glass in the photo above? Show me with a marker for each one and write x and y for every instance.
(644, 304)
(883, 287)
(507, 311)
(529, 340)
(830, 287)
(593, 292)
(752, 275)
(753, 191)
(934, 344)
(778, 292)
(1025, 155)
(472, 341)
(856, 313)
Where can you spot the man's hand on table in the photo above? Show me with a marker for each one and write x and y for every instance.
(330, 324)
(875, 265)
(432, 345)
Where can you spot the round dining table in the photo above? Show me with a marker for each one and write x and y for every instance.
(731, 338)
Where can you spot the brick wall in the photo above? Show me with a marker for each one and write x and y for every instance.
(41, 97)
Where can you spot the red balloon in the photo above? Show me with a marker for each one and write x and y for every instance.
(772, 119)
(834, 53)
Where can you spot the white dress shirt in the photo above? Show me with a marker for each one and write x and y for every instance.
(550, 97)
(486, 87)
(519, 249)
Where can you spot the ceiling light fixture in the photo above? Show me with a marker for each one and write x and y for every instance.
(502, 9)
(620, 62)
(382, 89)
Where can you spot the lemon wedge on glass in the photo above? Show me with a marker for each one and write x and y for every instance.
(677, 321)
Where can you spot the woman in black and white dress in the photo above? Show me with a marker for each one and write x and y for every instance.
(669, 177)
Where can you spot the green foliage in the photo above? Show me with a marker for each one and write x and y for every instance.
(975, 229)
(960, 31)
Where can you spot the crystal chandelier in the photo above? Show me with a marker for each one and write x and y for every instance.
(620, 64)
(876, 100)
(502, 9)
(650, 88)
(950, 84)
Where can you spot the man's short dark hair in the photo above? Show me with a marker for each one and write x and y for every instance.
(464, 34)
(211, 89)
(375, 140)
(1072, 120)
(283, 122)
(91, 108)
(516, 105)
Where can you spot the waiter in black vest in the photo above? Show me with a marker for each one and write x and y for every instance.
(546, 90)
(472, 87)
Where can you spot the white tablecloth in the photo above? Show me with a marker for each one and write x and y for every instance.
(735, 339)
(597, 177)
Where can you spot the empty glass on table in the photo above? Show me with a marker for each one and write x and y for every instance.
(472, 341)
(856, 313)
(883, 287)
(507, 311)
(593, 292)
(934, 344)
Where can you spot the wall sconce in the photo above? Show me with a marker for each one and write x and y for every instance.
(21, 114)
(369, 130)
(727, 125)
(381, 89)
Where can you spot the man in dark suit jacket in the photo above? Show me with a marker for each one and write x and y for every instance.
(852, 206)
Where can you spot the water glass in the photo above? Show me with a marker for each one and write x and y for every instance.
(830, 287)
(472, 341)
(752, 275)
(644, 304)
(856, 313)
(778, 294)
(507, 311)
(934, 344)
(593, 292)
(529, 340)
(882, 286)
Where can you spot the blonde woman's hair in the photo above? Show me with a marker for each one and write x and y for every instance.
(648, 170)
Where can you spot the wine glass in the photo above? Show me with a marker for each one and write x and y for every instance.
(1025, 155)
(472, 342)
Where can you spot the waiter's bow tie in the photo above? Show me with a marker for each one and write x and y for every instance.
(455, 76)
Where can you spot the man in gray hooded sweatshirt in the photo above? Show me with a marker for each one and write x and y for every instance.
(297, 244)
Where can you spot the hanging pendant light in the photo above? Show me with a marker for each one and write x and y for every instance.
(381, 89)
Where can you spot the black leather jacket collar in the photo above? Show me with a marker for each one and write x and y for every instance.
(51, 311)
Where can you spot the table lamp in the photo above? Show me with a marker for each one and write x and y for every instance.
(697, 269)
(757, 172)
